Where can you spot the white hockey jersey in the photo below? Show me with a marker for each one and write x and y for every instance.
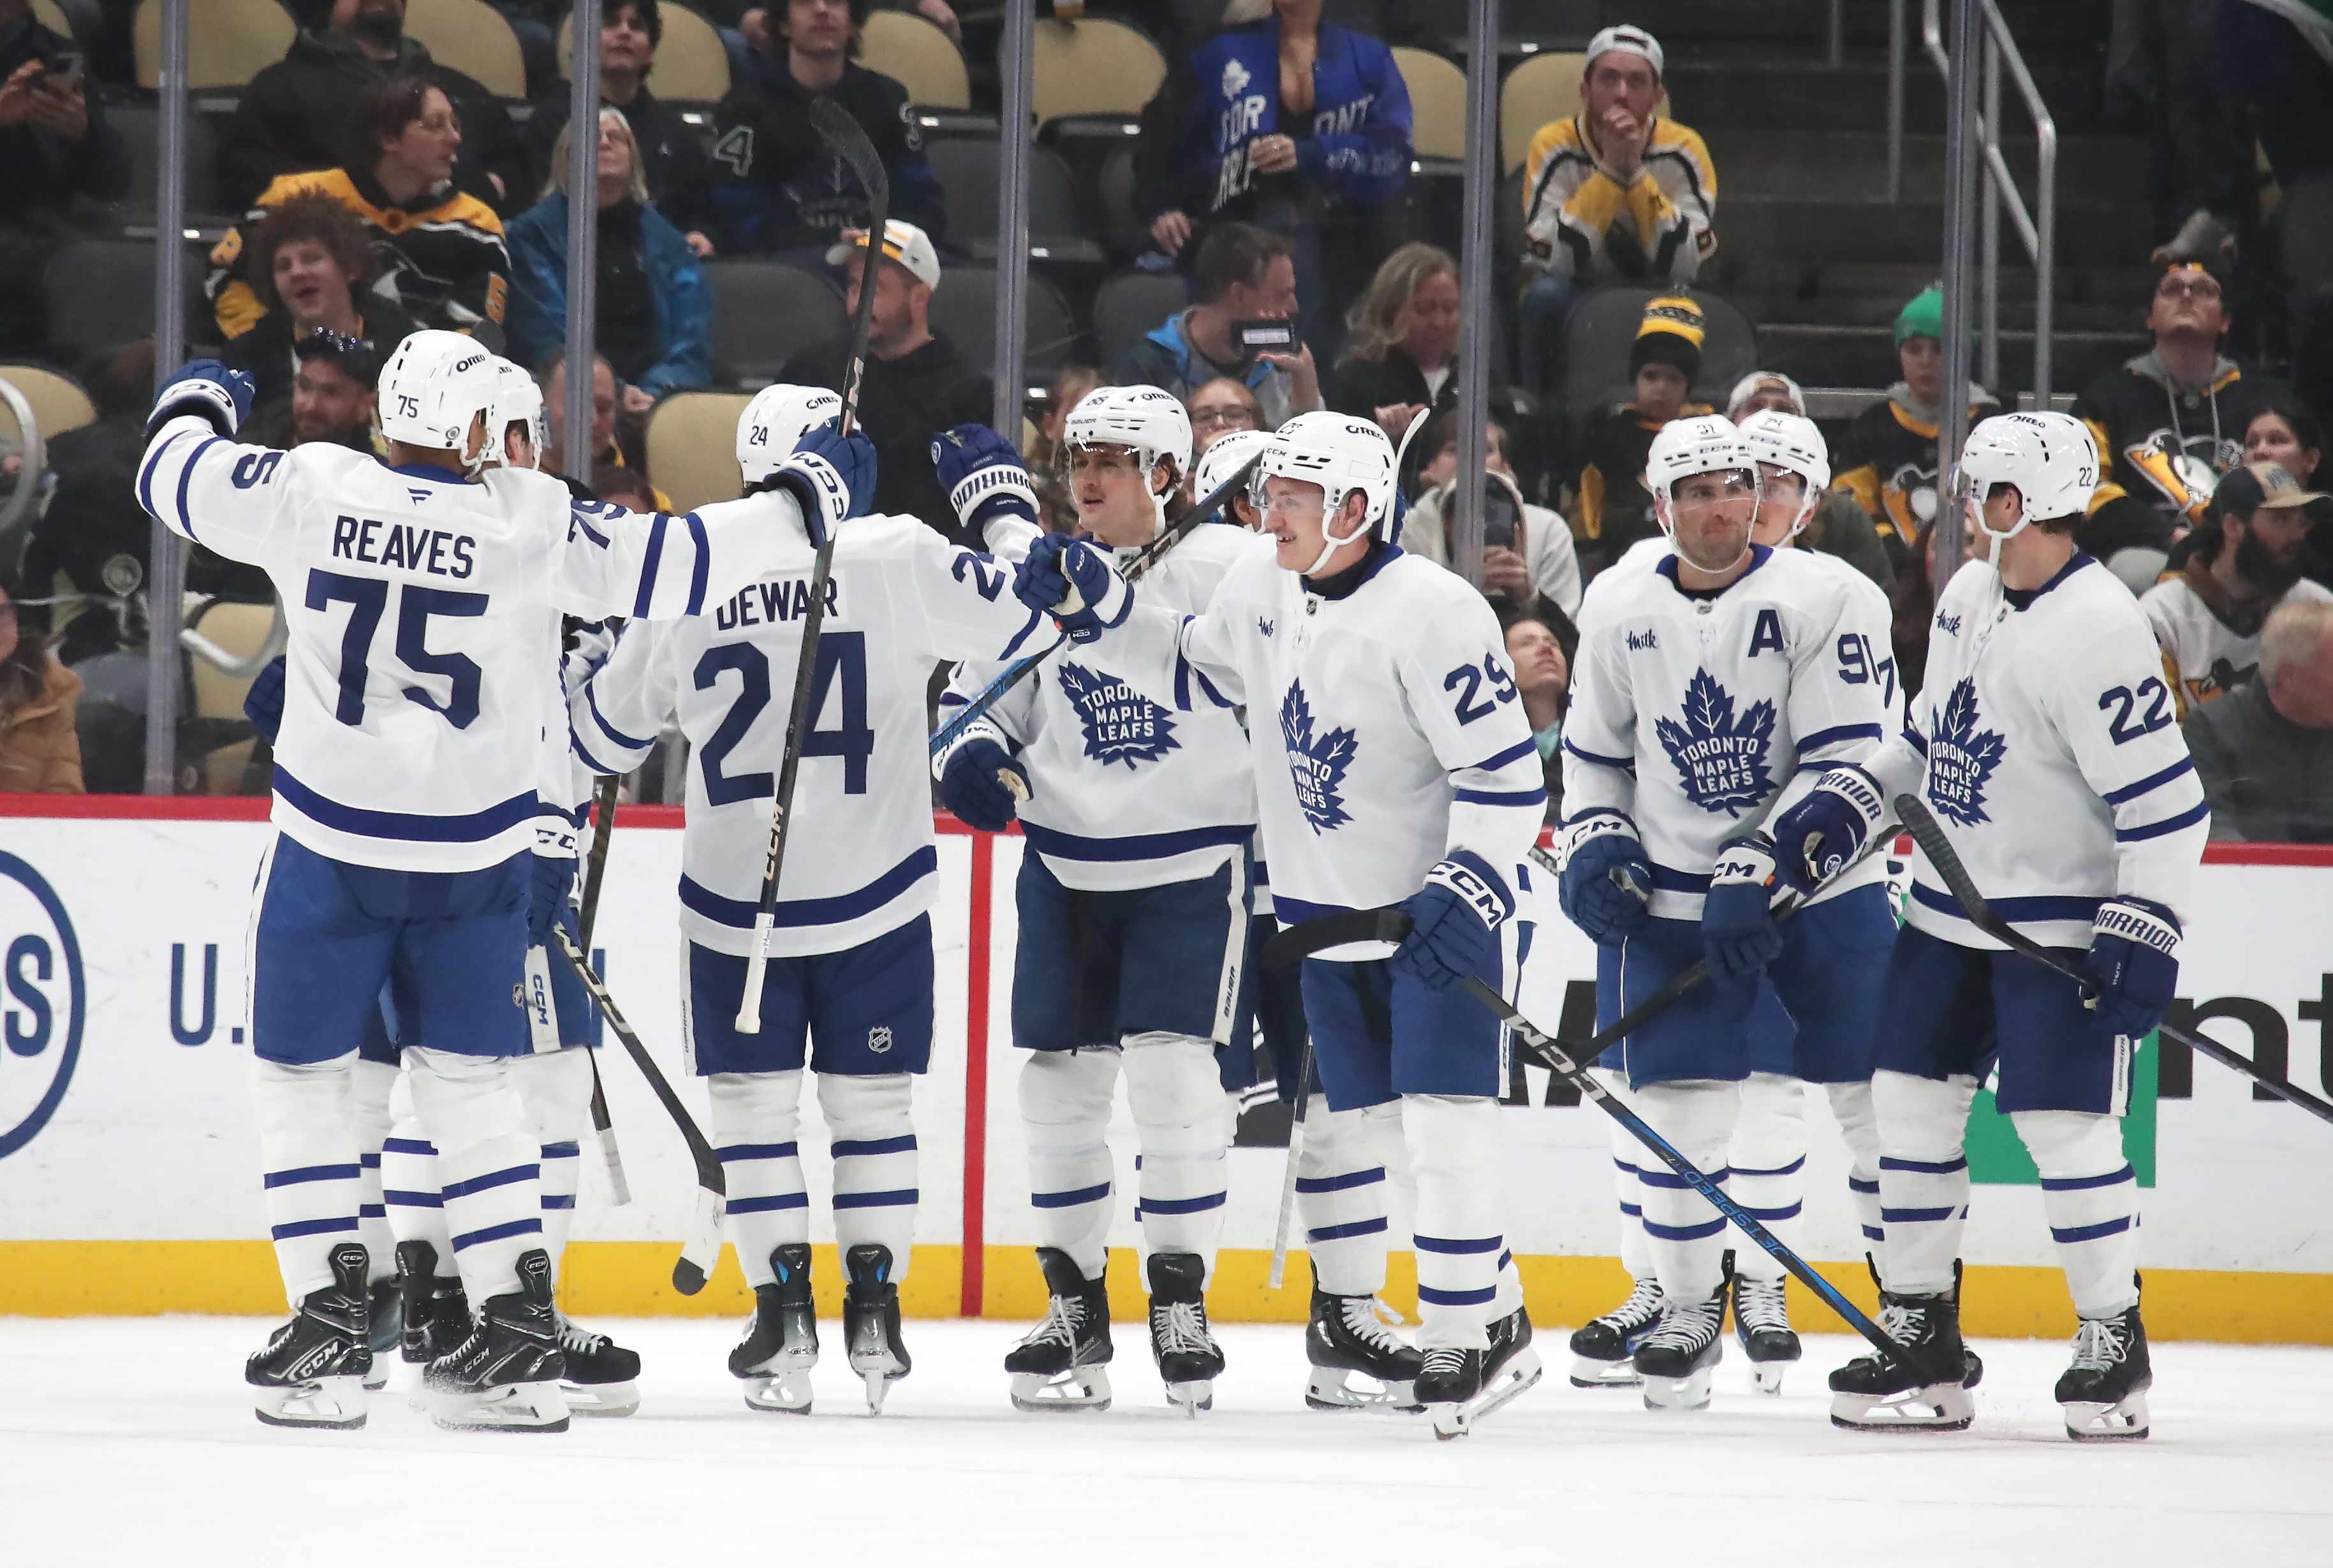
(423, 632)
(2045, 743)
(1385, 724)
(2204, 653)
(860, 858)
(1124, 790)
(1698, 716)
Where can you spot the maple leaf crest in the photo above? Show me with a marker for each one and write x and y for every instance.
(1316, 764)
(1120, 725)
(1235, 79)
(1721, 761)
(1962, 757)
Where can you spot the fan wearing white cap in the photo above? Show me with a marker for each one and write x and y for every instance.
(1704, 688)
(2044, 744)
(1393, 767)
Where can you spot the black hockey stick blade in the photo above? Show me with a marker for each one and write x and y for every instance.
(1929, 835)
(1299, 943)
(702, 1247)
(849, 139)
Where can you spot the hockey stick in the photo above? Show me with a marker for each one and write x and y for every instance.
(1018, 670)
(702, 1249)
(1929, 835)
(603, 1127)
(850, 144)
(1295, 1153)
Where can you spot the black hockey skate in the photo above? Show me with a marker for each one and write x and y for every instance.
(313, 1371)
(781, 1345)
(1189, 1359)
(1761, 1321)
(388, 1326)
(871, 1321)
(1873, 1394)
(1458, 1387)
(505, 1376)
(2104, 1393)
(1347, 1338)
(602, 1377)
(1603, 1349)
(433, 1311)
(1678, 1359)
(1059, 1366)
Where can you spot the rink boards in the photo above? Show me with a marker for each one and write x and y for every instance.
(128, 1160)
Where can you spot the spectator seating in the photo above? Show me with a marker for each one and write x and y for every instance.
(140, 125)
(691, 66)
(56, 400)
(1123, 235)
(1543, 87)
(1131, 304)
(473, 36)
(47, 14)
(1094, 67)
(765, 312)
(228, 41)
(1437, 102)
(1602, 327)
(918, 56)
(100, 293)
(239, 630)
(692, 447)
(965, 308)
(966, 167)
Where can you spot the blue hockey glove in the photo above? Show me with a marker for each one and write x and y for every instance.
(263, 703)
(554, 875)
(972, 783)
(208, 390)
(1455, 921)
(1816, 839)
(831, 475)
(1071, 581)
(2134, 963)
(1607, 879)
(983, 476)
(1738, 931)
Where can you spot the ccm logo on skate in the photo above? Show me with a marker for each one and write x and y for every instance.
(43, 1000)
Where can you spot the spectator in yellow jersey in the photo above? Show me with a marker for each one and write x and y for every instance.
(1888, 459)
(2228, 574)
(1615, 510)
(1616, 193)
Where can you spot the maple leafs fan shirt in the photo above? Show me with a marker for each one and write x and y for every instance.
(2047, 743)
(1699, 717)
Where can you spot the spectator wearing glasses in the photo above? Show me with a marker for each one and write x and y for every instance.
(672, 157)
(2228, 576)
(2265, 754)
(310, 267)
(1242, 274)
(1220, 408)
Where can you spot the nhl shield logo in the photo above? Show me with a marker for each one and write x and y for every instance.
(1721, 760)
(1316, 763)
(879, 1039)
(1961, 758)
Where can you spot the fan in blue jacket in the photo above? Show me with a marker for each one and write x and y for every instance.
(655, 315)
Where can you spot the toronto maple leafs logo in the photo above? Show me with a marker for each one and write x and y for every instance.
(1235, 79)
(1961, 758)
(1720, 760)
(1120, 725)
(1316, 763)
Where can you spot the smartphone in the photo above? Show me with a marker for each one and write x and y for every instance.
(1264, 337)
(62, 69)
(1499, 516)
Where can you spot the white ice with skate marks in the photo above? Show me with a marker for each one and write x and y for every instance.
(129, 1441)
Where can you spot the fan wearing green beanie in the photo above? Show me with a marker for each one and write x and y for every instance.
(1890, 454)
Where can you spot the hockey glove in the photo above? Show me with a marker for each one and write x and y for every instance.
(207, 390)
(2134, 963)
(1816, 839)
(985, 478)
(263, 703)
(831, 475)
(1455, 921)
(1607, 880)
(972, 783)
(1071, 581)
(1738, 931)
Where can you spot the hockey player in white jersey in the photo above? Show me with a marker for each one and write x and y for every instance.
(1702, 692)
(2045, 746)
(1133, 910)
(848, 989)
(405, 796)
(1393, 767)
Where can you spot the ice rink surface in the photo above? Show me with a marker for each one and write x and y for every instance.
(128, 1440)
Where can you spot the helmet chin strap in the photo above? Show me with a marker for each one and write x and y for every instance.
(1669, 526)
(1330, 544)
(1998, 539)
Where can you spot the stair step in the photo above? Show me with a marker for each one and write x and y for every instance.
(2041, 27)
(1755, 229)
(1853, 164)
(1723, 92)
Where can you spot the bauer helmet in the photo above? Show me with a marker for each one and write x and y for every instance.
(776, 418)
(1791, 443)
(434, 388)
(1225, 456)
(1341, 453)
(517, 401)
(2049, 456)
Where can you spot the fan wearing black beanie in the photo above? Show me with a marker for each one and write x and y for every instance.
(1615, 510)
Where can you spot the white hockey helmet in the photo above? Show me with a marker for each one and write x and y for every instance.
(2049, 456)
(434, 388)
(1704, 443)
(1225, 456)
(1341, 453)
(517, 401)
(1791, 443)
(776, 418)
(1148, 421)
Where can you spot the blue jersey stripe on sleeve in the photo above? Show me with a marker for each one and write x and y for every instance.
(1836, 734)
(648, 566)
(700, 563)
(1502, 797)
(591, 701)
(1514, 753)
(2128, 792)
(2200, 812)
(1626, 764)
(399, 825)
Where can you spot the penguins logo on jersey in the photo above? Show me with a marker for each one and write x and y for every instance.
(1961, 758)
(1721, 760)
(1120, 725)
(1316, 763)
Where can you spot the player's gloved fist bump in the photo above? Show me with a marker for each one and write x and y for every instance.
(982, 784)
(831, 475)
(1817, 838)
(1071, 581)
(263, 703)
(1607, 876)
(554, 876)
(208, 390)
(983, 475)
(1738, 933)
(2134, 963)
(1455, 921)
